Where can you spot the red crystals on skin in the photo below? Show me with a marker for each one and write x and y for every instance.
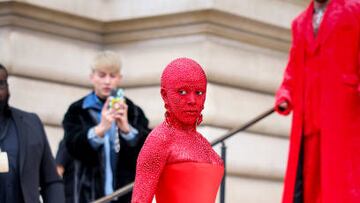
(183, 89)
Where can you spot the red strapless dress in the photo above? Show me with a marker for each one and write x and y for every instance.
(189, 182)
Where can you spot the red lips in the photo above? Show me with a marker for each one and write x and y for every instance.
(191, 112)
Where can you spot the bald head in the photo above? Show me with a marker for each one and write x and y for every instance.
(182, 69)
(183, 89)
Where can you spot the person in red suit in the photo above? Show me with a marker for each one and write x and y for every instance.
(321, 87)
(177, 163)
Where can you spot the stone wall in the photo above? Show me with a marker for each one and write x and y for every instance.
(48, 47)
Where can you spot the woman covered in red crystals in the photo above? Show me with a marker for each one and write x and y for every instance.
(177, 163)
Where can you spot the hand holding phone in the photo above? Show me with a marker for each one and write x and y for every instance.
(117, 99)
(118, 106)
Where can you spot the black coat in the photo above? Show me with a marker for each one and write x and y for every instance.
(76, 123)
(64, 159)
(37, 166)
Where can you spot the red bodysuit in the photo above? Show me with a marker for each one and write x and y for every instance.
(177, 163)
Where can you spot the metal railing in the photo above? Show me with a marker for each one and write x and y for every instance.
(128, 188)
(230, 134)
(118, 193)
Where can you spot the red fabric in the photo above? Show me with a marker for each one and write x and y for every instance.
(174, 184)
(175, 141)
(321, 82)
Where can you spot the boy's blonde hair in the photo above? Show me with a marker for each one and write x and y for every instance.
(107, 60)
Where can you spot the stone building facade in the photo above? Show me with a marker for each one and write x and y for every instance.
(48, 47)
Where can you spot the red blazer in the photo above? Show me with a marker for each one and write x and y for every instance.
(338, 47)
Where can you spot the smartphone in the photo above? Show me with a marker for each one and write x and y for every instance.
(116, 97)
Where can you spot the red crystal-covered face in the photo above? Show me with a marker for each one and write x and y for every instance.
(183, 88)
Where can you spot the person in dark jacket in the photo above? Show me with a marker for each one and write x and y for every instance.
(66, 167)
(105, 140)
(27, 167)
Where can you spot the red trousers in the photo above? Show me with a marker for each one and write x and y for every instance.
(311, 168)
